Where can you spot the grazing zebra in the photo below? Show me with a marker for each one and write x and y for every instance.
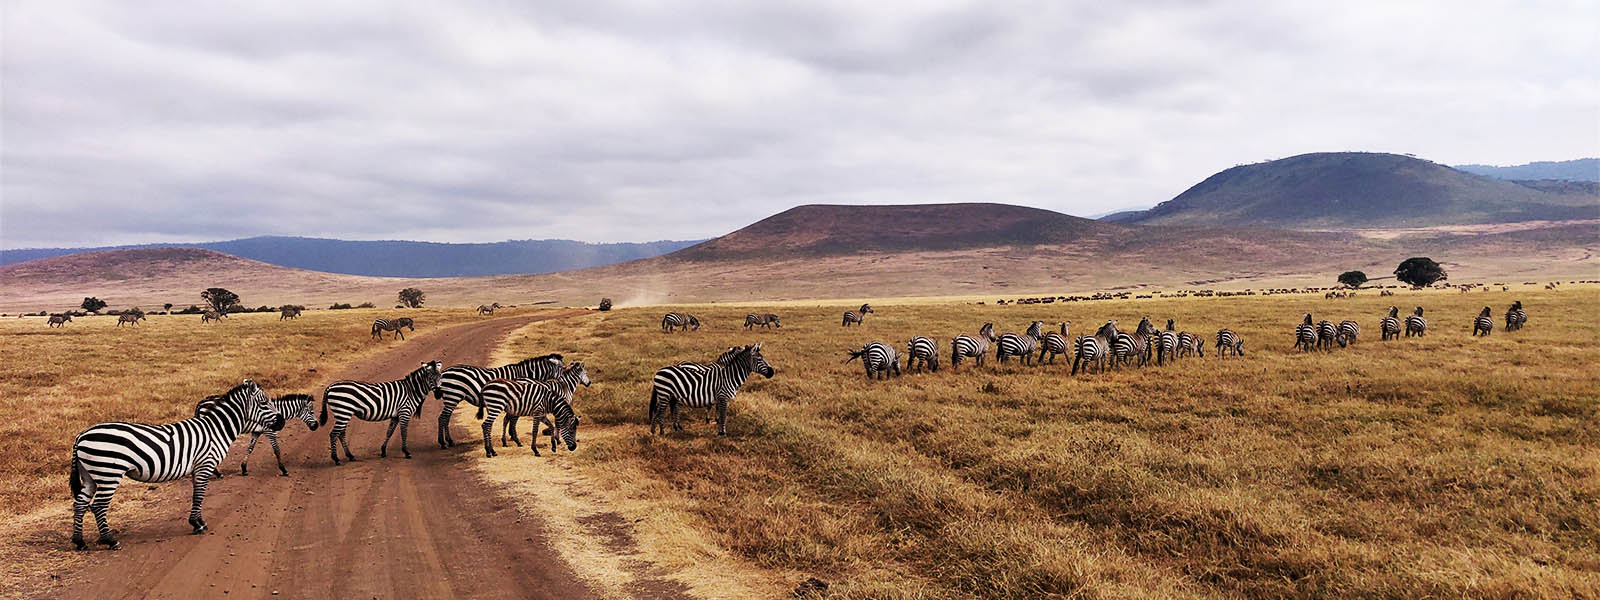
(534, 398)
(209, 316)
(679, 321)
(1483, 323)
(922, 351)
(1020, 346)
(1515, 317)
(488, 309)
(1189, 343)
(968, 346)
(103, 454)
(465, 382)
(58, 320)
(1305, 335)
(855, 316)
(381, 325)
(289, 312)
(1348, 332)
(1415, 324)
(1228, 341)
(879, 359)
(395, 401)
(752, 319)
(1054, 343)
(1326, 332)
(715, 385)
(1094, 348)
(129, 318)
(1135, 344)
(291, 406)
(1390, 325)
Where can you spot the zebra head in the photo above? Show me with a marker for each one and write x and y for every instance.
(1308, 319)
(1169, 325)
(298, 406)
(987, 331)
(865, 308)
(404, 322)
(258, 410)
(1417, 312)
(574, 375)
(1145, 328)
(1394, 311)
(1063, 326)
(756, 362)
(694, 323)
(1107, 331)
(1036, 329)
(566, 423)
(1485, 312)
(426, 377)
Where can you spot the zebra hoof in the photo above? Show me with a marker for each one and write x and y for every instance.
(282, 472)
(77, 544)
(110, 544)
(384, 453)
(408, 456)
(201, 529)
(243, 471)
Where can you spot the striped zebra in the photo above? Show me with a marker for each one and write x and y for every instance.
(1515, 317)
(922, 351)
(465, 382)
(724, 360)
(58, 320)
(1348, 332)
(1189, 343)
(1136, 344)
(971, 347)
(533, 398)
(211, 315)
(679, 322)
(129, 318)
(1094, 348)
(855, 316)
(715, 385)
(488, 309)
(1054, 343)
(289, 312)
(879, 359)
(752, 319)
(381, 325)
(1305, 335)
(1165, 343)
(1228, 341)
(1415, 324)
(1390, 325)
(105, 453)
(394, 401)
(1483, 323)
(1326, 332)
(1020, 346)
(291, 406)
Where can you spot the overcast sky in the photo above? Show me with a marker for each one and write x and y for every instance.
(130, 122)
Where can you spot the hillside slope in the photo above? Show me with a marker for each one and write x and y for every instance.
(1583, 169)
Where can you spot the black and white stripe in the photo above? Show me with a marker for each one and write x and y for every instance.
(879, 359)
(393, 401)
(381, 325)
(1326, 334)
(1305, 335)
(1054, 343)
(1094, 348)
(679, 321)
(465, 383)
(105, 453)
(1515, 316)
(1390, 325)
(920, 352)
(1019, 345)
(701, 386)
(1415, 324)
(1136, 344)
(752, 319)
(1348, 332)
(1484, 323)
(966, 346)
(300, 407)
(1228, 341)
(1189, 343)
(855, 316)
(530, 398)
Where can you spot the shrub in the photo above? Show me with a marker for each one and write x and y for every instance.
(340, 306)
(93, 304)
(366, 305)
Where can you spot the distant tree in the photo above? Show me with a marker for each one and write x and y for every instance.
(219, 299)
(167, 307)
(1352, 279)
(93, 304)
(1420, 272)
(411, 297)
(605, 304)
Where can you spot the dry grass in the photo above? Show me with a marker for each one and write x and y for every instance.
(1440, 466)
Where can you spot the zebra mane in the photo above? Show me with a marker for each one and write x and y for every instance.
(528, 361)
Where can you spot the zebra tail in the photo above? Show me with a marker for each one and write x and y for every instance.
(480, 407)
(75, 482)
(853, 356)
(323, 418)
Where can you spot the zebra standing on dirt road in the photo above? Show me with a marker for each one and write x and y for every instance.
(532, 398)
(974, 347)
(465, 382)
(105, 453)
(716, 385)
(1415, 324)
(1054, 343)
(291, 406)
(922, 351)
(395, 401)
(1228, 341)
(855, 316)
(1390, 325)
(1020, 346)
(381, 325)
(679, 321)
(752, 319)
(879, 359)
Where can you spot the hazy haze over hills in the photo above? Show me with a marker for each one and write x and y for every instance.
(1583, 169)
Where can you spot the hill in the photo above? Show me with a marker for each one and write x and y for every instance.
(1357, 189)
(404, 258)
(1583, 169)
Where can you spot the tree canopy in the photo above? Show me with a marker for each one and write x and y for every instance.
(93, 304)
(220, 299)
(411, 297)
(1420, 271)
(1352, 279)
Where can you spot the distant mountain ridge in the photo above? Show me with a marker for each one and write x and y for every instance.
(405, 258)
(1583, 169)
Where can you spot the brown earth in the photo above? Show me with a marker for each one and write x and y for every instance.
(378, 527)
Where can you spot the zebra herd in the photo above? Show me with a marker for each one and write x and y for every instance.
(1324, 334)
(1108, 346)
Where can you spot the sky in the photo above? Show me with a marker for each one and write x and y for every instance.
(471, 121)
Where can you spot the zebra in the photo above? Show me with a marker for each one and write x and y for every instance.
(752, 319)
(969, 346)
(1054, 343)
(1228, 341)
(922, 351)
(103, 454)
(1348, 332)
(129, 318)
(1484, 323)
(1165, 343)
(1415, 324)
(1135, 344)
(1094, 348)
(291, 406)
(1515, 317)
(58, 320)
(1020, 346)
(1305, 335)
(1189, 343)
(465, 382)
(381, 325)
(395, 401)
(686, 322)
(211, 315)
(704, 386)
(1390, 325)
(855, 316)
(488, 309)
(723, 360)
(1326, 332)
(531, 398)
(289, 312)
(879, 359)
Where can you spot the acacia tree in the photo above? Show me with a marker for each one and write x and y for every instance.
(93, 304)
(1352, 279)
(220, 299)
(1420, 271)
(411, 297)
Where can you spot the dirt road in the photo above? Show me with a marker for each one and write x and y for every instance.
(376, 528)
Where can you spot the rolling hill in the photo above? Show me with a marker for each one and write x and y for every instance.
(1357, 189)
(1583, 169)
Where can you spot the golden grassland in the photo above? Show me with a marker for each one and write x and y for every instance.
(1437, 466)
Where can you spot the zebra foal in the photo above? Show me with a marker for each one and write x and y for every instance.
(530, 398)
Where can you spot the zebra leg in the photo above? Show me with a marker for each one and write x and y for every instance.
(488, 431)
(383, 451)
(722, 416)
(202, 477)
(446, 409)
(83, 492)
(544, 421)
(344, 440)
(334, 434)
(510, 427)
(244, 464)
(272, 437)
(101, 507)
(677, 424)
(405, 427)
